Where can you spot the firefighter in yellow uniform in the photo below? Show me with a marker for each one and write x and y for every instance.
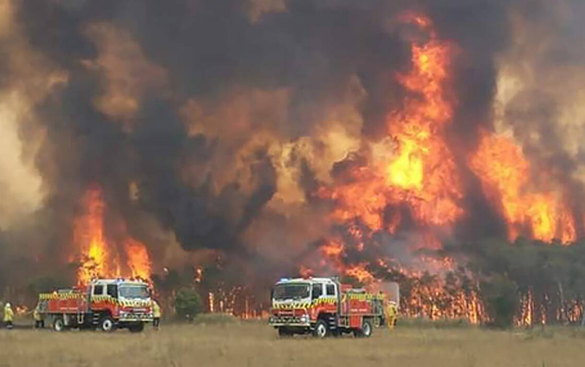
(391, 314)
(8, 316)
(156, 313)
(39, 319)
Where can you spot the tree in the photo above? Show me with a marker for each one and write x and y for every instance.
(500, 296)
(188, 304)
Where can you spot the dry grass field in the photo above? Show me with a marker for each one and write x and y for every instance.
(255, 344)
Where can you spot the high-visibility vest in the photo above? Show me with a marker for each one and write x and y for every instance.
(391, 310)
(8, 314)
(37, 315)
(391, 314)
(155, 309)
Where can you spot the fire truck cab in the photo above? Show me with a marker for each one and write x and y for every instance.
(323, 307)
(106, 304)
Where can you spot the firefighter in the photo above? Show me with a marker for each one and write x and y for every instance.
(391, 314)
(39, 318)
(156, 313)
(8, 316)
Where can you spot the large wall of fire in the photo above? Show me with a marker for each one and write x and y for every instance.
(278, 137)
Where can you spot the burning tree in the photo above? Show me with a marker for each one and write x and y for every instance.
(371, 140)
(101, 257)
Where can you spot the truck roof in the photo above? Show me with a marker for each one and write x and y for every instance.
(306, 280)
(118, 281)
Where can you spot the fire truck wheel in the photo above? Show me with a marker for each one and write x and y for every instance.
(107, 324)
(365, 331)
(59, 324)
(284, 333)
(321, 329)
(138, 328)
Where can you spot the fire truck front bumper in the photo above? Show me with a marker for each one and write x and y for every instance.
(129, 316)
(289, 320)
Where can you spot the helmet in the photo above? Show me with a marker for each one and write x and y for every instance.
(8, 305)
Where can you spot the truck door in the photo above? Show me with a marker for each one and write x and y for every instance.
(97, 301)
(331, 294)
(317, 292)
(112, 291)
(98, 290)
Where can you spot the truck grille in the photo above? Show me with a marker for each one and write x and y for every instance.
(288, 320)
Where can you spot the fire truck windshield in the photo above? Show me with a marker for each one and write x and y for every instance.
(291, 291)
(134, 291)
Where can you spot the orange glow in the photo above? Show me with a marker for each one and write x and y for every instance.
(505, 176)
(138, 259)
(89, 235)
(417, 172)
(364, 197)
(100, 257)
(332, 249)
(198, 274)
(432, 299)
(306, 272)
(420, 174)
(418, 19)
(360, 273)
(526, 317)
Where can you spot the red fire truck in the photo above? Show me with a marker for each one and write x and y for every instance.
(106, 304)
(323, 307)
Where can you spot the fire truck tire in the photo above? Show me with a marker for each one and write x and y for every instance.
(366, 330)
(59, 324)
(284, 333)
(321, 329)
(107, 324)
(137, 328)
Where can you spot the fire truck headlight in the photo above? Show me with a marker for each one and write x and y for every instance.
(304, 319)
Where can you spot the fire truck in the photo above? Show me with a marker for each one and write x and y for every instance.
(106, 304)
(324, 307)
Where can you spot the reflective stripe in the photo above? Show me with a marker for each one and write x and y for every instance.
(328, 300)
(135, 303)
(106, 299)
(364, 296)
(47, 296)
(290, 306)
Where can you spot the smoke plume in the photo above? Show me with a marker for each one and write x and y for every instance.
(238, 127)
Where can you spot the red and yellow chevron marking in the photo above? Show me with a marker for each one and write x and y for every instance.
(54, 296)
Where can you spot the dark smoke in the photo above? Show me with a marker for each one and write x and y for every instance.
(207, 50)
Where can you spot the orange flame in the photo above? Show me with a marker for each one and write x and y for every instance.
(432, 299)
(505, 176)
(100, 258)
(88, 233)
(138, 259)
(421, 174)
(360, 273)
(332, 249)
